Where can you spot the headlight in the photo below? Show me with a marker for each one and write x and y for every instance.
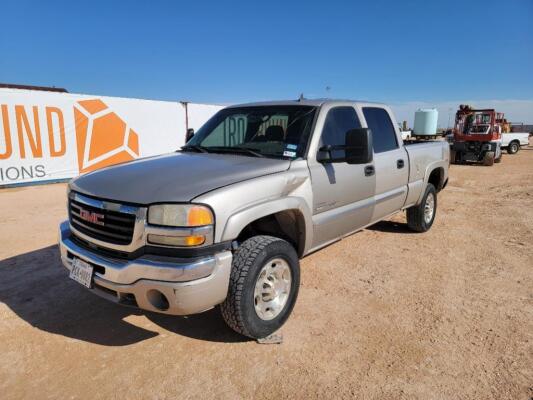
(180, 215)
(185, 225)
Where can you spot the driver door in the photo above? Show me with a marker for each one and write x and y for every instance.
(343, 194)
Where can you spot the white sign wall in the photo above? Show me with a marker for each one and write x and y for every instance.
(52, 136)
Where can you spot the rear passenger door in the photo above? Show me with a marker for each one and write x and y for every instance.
(391, 163)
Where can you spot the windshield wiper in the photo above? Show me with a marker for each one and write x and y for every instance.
(255, 152)
(237, 149)
(194, 147)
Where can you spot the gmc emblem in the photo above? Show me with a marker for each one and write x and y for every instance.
(92, 217)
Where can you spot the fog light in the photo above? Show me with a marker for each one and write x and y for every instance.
(157, 299)
(195, 240)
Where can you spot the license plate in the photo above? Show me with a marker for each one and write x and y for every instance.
(81, 272)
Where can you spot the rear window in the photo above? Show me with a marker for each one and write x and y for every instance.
(383, 133)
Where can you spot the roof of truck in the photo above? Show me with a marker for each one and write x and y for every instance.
(303, 102)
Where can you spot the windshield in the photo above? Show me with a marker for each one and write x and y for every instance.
(263, 131)
(480, 129)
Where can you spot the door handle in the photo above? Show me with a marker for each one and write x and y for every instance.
(400, 164)
(370, 170)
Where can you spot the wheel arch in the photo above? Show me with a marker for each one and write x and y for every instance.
(287, 218)
(436, 175)
(436, 178)
(516, 141)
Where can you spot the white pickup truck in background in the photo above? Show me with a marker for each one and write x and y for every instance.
(513, 141)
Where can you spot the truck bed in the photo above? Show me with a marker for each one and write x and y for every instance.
(422, 154)
(522, 137)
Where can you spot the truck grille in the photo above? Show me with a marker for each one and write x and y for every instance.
(102, 224)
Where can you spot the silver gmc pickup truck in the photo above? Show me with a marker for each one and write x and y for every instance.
(224, 220)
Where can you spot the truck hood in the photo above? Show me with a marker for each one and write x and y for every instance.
(177, 177)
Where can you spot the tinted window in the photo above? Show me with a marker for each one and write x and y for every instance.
(273, 131)
(383, 133)
(339, 121)
(229, 132)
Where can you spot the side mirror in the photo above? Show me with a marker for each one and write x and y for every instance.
(189, 134)
(359, 146)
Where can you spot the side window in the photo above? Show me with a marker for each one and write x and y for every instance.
(339, 120)
(383, 133)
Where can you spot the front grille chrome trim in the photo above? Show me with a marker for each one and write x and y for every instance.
(103, 204)
(112, 226)
(137, 237)
(98, 231)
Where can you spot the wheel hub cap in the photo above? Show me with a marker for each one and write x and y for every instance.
(272, 289)
(429, 208)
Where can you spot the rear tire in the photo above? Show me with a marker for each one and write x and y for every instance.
(513, 147)
(420, 218)
(488, 158)
(259, 301)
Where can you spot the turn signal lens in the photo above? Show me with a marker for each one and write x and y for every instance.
(194, 240)
(199, 216)
(177, 240)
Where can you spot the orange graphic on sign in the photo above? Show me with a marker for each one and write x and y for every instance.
(102, 137)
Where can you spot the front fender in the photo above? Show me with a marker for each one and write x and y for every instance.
(238, 221)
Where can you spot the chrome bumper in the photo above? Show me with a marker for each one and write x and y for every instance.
(154, 283)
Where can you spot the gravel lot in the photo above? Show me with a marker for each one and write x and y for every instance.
(383, 314)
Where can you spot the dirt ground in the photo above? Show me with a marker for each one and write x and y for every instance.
(383, 314)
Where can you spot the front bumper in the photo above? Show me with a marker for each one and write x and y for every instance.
(154, 283)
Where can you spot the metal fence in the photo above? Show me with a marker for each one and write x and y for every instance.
(522, 128)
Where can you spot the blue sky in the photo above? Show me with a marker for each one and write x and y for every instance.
(225, 52)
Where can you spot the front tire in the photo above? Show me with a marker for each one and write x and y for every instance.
(263, 286)
(420, 218)
(488, 158)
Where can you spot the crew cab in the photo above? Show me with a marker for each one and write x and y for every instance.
(225, 220)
